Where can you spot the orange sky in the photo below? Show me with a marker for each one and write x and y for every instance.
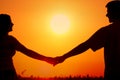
(32, 19)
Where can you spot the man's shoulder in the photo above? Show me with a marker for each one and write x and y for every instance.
(108, 27)
(113, 27)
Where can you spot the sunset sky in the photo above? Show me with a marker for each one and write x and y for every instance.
(36, 25)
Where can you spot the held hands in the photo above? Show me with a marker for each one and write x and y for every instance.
(58, 60)
(55, 61)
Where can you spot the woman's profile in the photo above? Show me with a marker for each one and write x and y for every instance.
(8, 47)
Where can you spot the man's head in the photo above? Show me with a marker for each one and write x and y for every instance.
(5, 23)
(113, 10)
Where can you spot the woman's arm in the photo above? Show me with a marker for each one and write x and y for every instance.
(31, 53)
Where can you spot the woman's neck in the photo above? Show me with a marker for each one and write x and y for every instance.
(3, 35)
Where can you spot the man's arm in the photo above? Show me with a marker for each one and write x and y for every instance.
(95, 42)
(77, 50)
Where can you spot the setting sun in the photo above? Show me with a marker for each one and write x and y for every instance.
(60, 24)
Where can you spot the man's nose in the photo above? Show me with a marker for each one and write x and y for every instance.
(107, 15)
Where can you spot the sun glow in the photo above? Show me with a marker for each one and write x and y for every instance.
(60, 24)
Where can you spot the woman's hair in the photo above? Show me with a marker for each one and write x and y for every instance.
(5, 19)
(5, 22)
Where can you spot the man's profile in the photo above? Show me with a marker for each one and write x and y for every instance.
(107, 37)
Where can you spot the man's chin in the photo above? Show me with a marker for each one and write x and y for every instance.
(110, 20)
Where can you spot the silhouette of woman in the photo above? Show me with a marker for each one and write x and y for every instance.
(8, 46)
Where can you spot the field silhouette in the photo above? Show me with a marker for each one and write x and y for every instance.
(87, 77)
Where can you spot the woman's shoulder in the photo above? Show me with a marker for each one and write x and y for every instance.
(11, 38)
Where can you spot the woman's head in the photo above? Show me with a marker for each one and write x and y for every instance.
(5, 23)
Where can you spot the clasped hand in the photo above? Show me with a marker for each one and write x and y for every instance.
(55, 61)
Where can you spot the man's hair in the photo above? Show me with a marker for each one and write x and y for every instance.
(114, 8)
(114, 5)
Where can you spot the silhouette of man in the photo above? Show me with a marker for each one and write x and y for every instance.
(107, 37)
(8, 46)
